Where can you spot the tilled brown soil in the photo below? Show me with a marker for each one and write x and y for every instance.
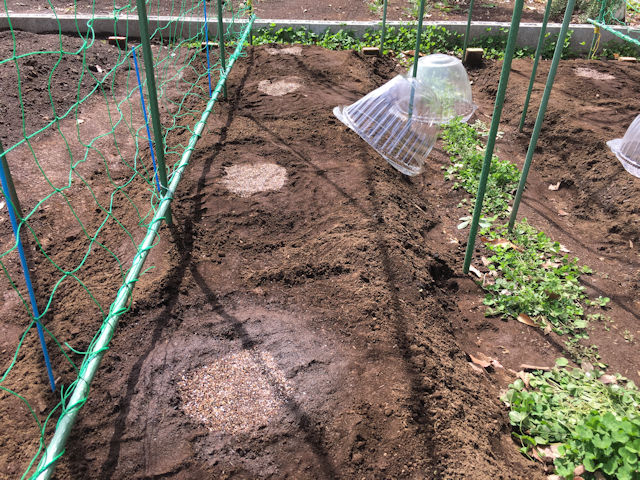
(332, 277)
(405, 10)
(349, 279)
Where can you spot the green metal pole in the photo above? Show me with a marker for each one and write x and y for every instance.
(13, 196)
(221, 42)
(541, 111)
(250, 5)
(418, 39)
(493, 131)
(153, 97)
(92, 360)
(384, 26)
(416, 57)
(468, 29)
(536, 60)
(596, 30)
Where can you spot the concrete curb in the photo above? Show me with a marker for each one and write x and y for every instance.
(187, 26)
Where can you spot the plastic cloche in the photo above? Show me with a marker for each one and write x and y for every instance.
(627, 148)
(399, 120)
(447, 77)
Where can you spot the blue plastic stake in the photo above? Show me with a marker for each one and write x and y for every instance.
(206, 40)
(146, 120)
(25, 268)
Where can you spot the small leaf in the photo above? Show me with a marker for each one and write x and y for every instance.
(562, 362)
(517, 417)
(554, 186)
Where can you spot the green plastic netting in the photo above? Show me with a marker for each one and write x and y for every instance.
(75, 139)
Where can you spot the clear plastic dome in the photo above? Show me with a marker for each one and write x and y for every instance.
(399, 120)
(627, 148)
(447, 77)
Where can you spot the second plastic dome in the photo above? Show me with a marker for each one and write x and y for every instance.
(447, 77)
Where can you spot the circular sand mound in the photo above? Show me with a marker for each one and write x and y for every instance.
(238, 393)
(280, 87)
(245, 180)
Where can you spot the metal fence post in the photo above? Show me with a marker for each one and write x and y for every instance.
(15, 215)
(536, 60)
(493, 131)
(153, 97)
(467, 31)
(221, 42)
(541, 111)
(384, 26)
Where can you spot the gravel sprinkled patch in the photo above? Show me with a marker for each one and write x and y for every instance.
(295, 50)
(591, 73)
(245, 180)
(238, 393)
(280, 87)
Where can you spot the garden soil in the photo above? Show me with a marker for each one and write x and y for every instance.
(343, 10)
(341, 289)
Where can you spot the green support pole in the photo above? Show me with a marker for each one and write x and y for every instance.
(416, 57)
(153, 97)
(13, 195)
(468, 29)
(384, 26)
(250, 5)
(596, 30)
(541, 111)
(418, 39)
(493, 131)
(536, 60)
(221, 42)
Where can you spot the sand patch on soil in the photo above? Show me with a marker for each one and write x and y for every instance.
(295, 50)
(245, 180)
(591, 73)
(280, 87)
(238, 393)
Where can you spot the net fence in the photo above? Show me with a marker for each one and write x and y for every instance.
(76, 134)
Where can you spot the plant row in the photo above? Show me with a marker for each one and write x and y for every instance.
(585, 421)
(435, 39)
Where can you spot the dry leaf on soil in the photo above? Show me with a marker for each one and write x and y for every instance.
(608, 379)
(499, 242)
(532, 368)
(526, 319)
(475, 271)
(481, 360)
(524, 376)
(554, 186)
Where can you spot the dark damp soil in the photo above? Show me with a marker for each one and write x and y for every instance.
(348, 276)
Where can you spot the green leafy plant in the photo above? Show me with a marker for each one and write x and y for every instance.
(466, 150)
(593, 417)
(534, 277)
(434, 39)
